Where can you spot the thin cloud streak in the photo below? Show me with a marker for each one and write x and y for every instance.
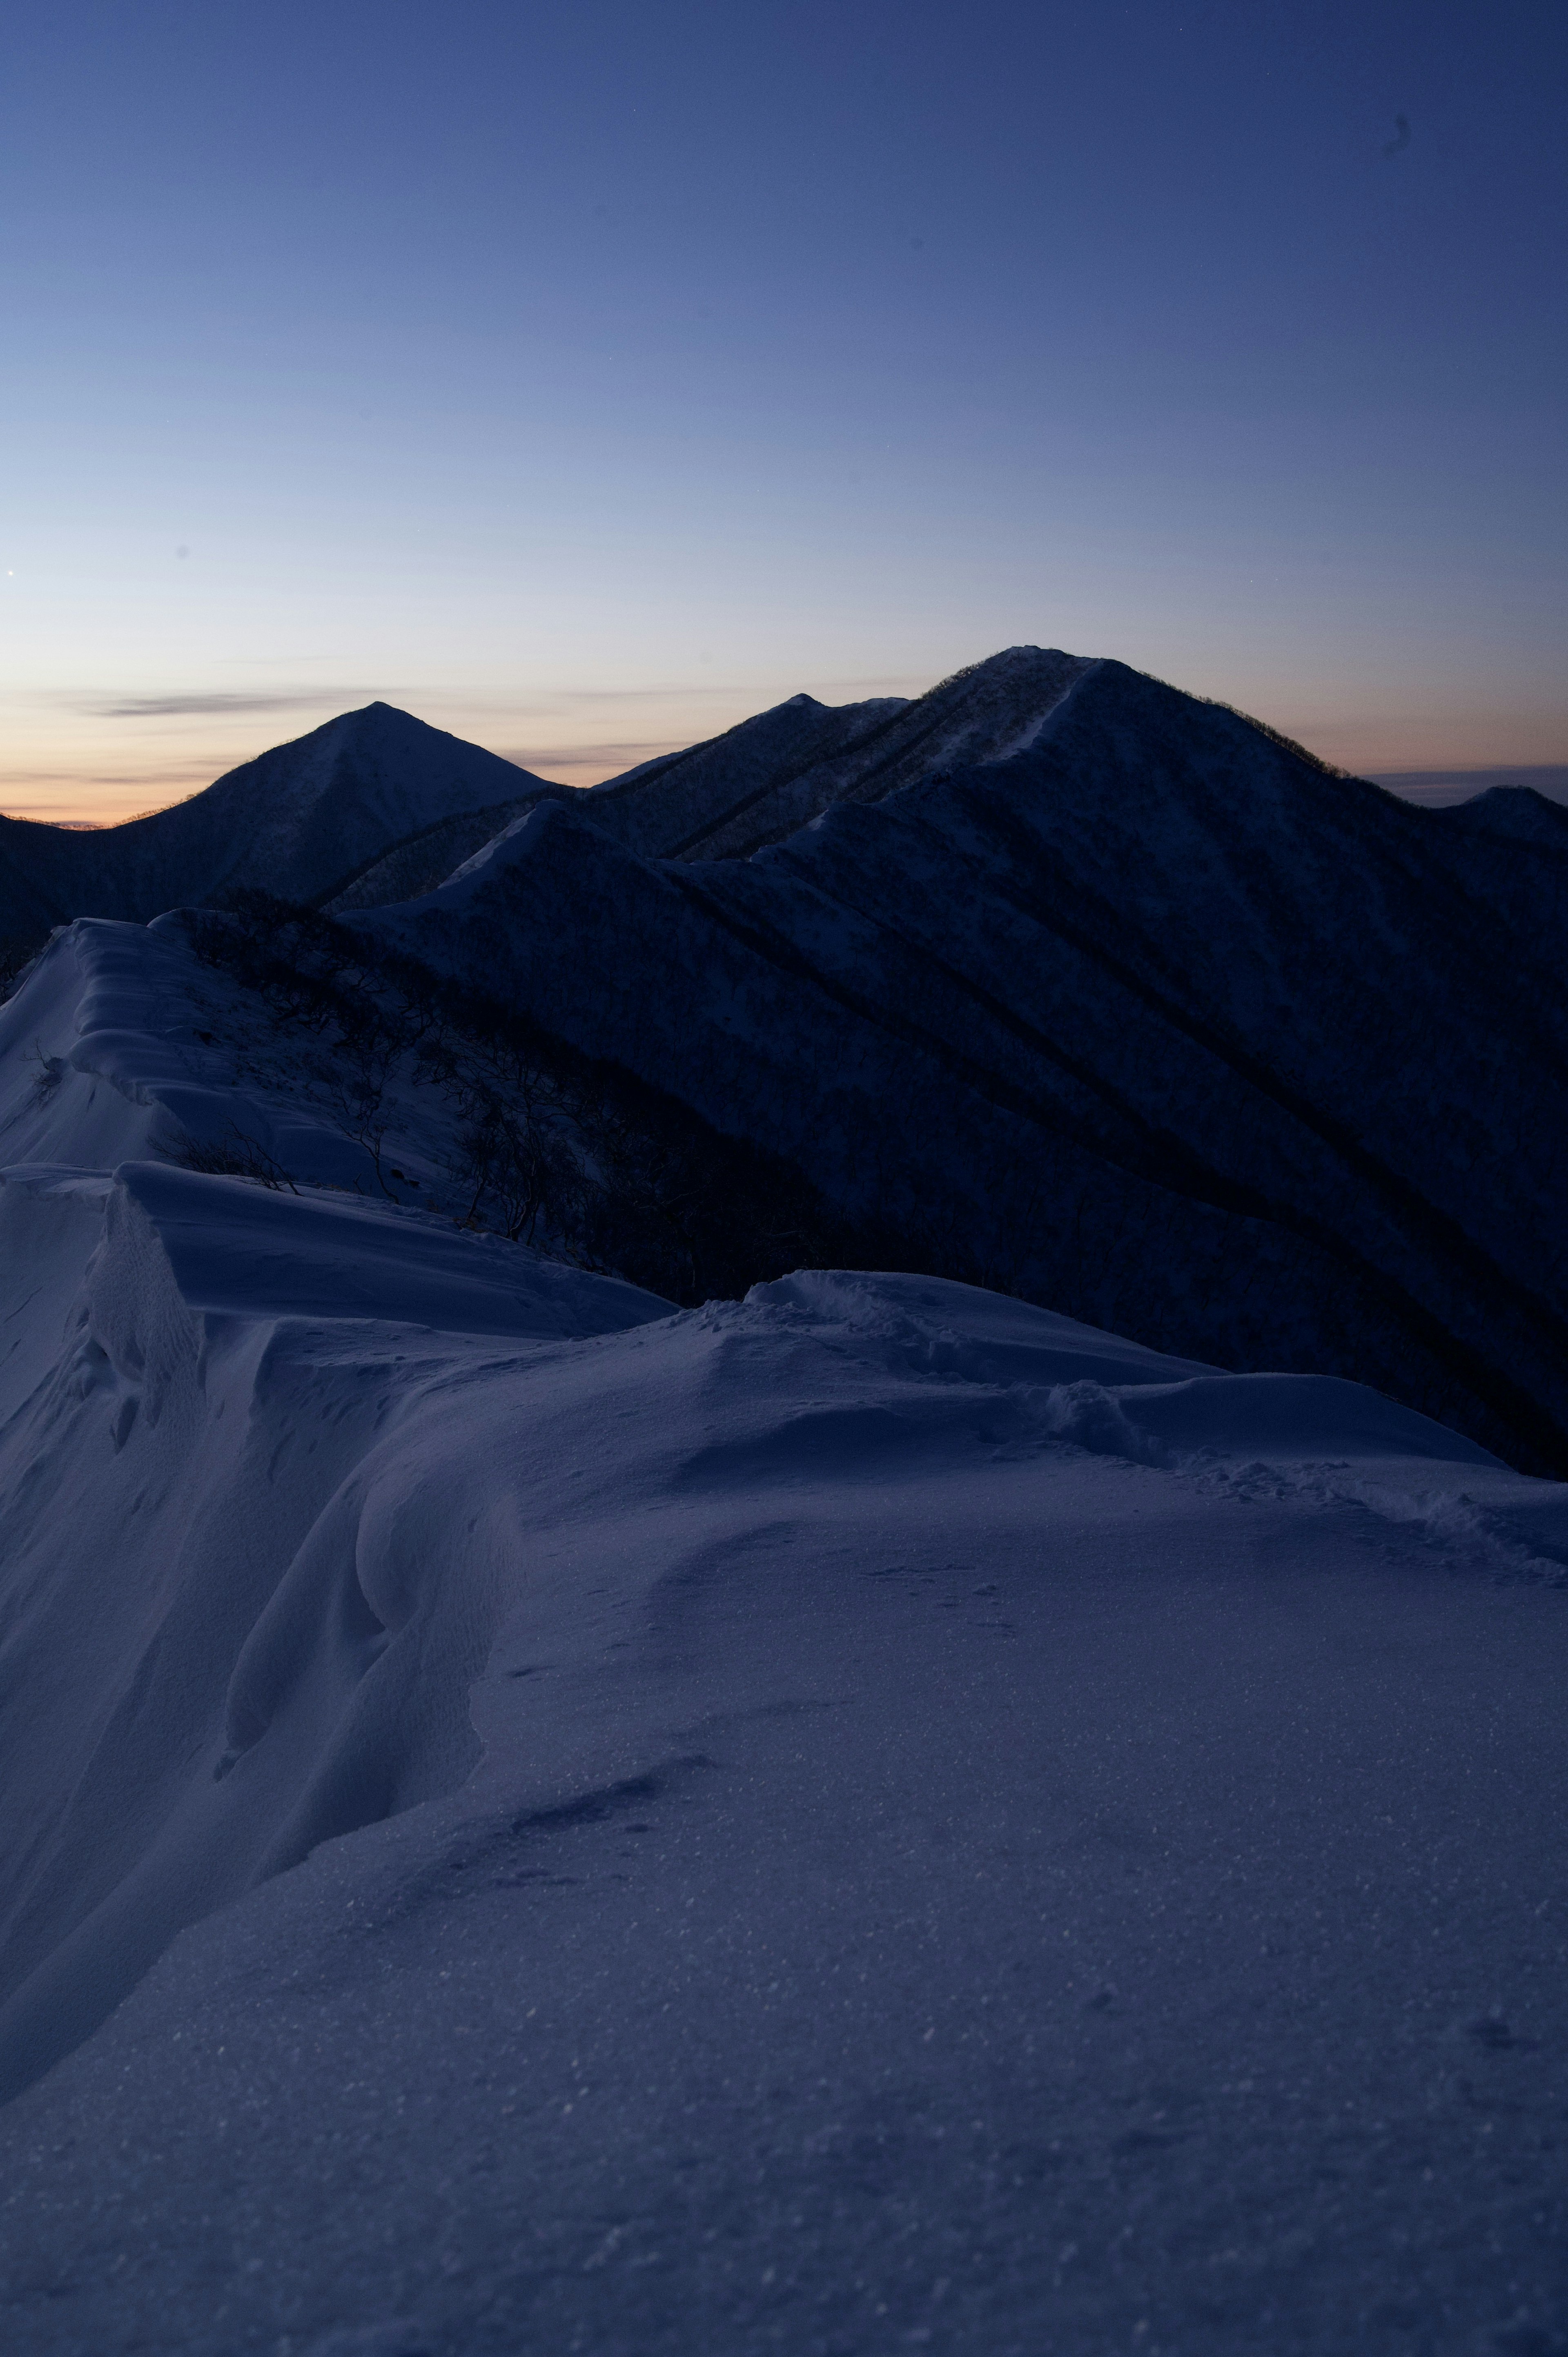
(206, 707)
(608, 760)
(1437, 789)
(745, 699)
(176, 774)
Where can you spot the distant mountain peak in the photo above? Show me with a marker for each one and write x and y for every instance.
(1023, 657)
(768, 776)
(1516, 812)
(303, 819)
(380, 715)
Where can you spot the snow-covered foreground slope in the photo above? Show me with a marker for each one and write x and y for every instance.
(870, 1817)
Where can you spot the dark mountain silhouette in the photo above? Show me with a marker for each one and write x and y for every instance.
(1513, 815)
(661, 805)
(1157, 1020)
(760, 781)
(301, 820)
(728, 798)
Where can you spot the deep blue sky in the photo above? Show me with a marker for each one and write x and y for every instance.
(583, 378)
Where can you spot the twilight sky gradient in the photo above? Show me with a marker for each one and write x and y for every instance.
(585, 377)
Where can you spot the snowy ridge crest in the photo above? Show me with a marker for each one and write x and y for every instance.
(318, 1533)
(228, 1406)
(1204, 1427)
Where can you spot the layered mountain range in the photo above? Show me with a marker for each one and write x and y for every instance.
(1056, 979)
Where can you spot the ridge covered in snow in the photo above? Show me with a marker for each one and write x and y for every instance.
(869, 1816)
(762, 781)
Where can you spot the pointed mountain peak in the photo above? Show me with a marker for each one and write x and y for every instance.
(379, 718)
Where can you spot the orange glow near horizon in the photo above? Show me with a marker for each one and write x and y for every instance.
(103, 771)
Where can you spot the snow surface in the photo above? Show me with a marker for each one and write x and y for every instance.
(874, 1817)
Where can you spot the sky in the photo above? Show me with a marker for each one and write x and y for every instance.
(585, 377)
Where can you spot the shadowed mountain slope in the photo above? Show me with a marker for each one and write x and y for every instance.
(300, 820)
(670, 808)
(657, 808)
(983, 714)
(760, 781)
(1065, 981)
(1158, 1021)
(421, 861)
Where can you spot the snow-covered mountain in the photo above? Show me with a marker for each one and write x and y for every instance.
(1155, 1020)
(301, 820)
(869, 1816)
(760, 782)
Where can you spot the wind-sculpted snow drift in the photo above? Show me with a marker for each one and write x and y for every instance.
(868, 1816)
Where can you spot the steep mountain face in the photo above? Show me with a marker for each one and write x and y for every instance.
(1156, 1020)
(671, 808)
(663, 807)
(301, 820)
(726, 799)
(760, 782)
(420, 862)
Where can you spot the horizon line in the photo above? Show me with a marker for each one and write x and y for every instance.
(1431, 787)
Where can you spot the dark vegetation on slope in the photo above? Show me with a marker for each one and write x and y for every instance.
(422, 860)
(548, 1145)
(18, 951)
